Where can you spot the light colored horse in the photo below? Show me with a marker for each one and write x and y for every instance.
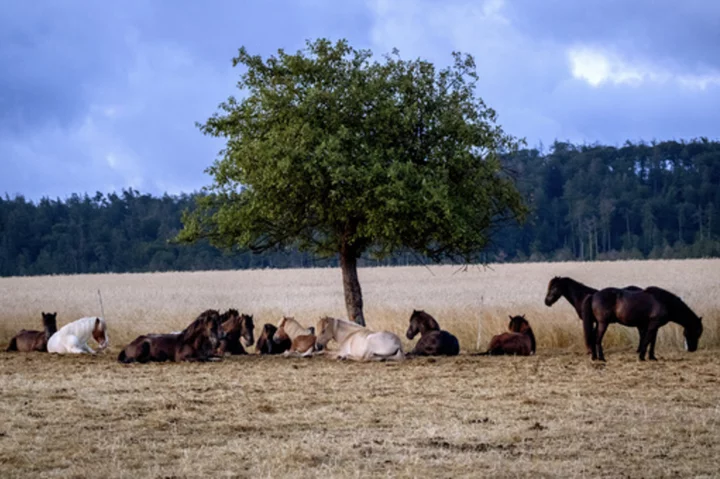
(357, 342)
(302, 339)
(73, 337)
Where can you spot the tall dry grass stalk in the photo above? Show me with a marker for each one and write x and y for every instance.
(473, 303)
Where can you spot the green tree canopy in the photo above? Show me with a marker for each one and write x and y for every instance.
(339, 154)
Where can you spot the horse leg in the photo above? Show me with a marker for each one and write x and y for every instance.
(642, 331)
(601, 328)
(653, 338)
(644, 343)
(589, 329)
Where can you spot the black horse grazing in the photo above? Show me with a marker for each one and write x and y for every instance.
(575, 293)
(647, 309)
(433, 341)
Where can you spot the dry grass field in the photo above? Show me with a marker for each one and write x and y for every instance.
(555, 414)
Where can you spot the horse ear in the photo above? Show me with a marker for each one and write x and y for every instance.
(522, 316)
(510, 316)
(97, 322)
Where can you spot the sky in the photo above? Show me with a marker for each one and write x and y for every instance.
(102, 96)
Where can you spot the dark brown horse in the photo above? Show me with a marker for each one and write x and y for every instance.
(239, 332)
(26, 341)
(197, 342)
(433, 341)
(519, 341)
(266, 343)
(647, 309)
(575, 293)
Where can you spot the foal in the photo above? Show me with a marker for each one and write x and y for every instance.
(520, 341)
(433, 341)
(266, 343)
(26, 341)
(302, 340)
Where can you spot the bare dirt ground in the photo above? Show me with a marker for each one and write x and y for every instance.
(555, 414)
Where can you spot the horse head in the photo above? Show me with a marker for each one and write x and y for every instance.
(280, 334)
(326, 328)
(421, 322)
(99, 333)
(49, 323)
(265, 341)
(247, 330)
(207, 326)
(692, 334)
(518, 324)
(554, 291)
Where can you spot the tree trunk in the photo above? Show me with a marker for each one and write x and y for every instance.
(351, 285)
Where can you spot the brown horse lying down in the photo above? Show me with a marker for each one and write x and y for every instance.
(26, 341)
(238, 333)
(266, 343)
(433, 341)
(520, 341)
(197, 342)
(302, 340)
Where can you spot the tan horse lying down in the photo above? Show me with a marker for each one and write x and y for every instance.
(357, 342)
(302, 340)
(26, 341)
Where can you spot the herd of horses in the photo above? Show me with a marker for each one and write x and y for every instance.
(213, 335)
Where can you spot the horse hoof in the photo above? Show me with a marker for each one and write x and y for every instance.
(652, 358)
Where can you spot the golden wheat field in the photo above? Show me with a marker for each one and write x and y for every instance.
(554, 414)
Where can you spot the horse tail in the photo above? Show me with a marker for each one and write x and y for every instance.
(13, 345)
(589, 321)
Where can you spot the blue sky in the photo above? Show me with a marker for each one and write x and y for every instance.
(99, 96)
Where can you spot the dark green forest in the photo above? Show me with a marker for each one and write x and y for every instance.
(588, 202)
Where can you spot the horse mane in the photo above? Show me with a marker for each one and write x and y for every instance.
(346, 322)
(195, 328)
(567, 279)
(292, 327)
(430, 323)
(227, 315)
(523, 328)
(675, 305)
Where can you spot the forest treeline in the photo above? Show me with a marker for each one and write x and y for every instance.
(588, 202)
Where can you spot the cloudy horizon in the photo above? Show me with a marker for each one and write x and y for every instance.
(101, 97)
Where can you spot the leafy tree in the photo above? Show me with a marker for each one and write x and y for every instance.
(339, 154)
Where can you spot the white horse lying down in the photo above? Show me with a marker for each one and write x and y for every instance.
(357, 342)
(73, 337)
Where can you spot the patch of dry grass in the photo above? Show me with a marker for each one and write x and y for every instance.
(555, 414)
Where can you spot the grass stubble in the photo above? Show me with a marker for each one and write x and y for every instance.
(555, 414)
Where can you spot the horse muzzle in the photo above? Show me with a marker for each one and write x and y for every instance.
(247, 342)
